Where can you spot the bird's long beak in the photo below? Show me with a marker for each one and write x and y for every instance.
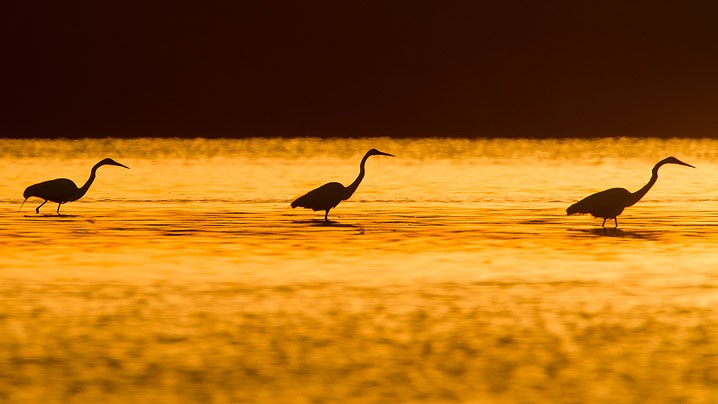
(23, 204)
(385, 154)
(685, 164)
(122, 165)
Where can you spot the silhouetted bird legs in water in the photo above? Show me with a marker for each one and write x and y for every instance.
(62, 190)
(37, 209)
(610, 203)
(329, 195)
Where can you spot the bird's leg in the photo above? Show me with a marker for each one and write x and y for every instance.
(326, 213)
(615, 219)
(58, 209)
(604, 223)
(37, 209)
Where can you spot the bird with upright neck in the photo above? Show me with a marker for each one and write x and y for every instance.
(329, 195)
(63, 190)
(610, 203)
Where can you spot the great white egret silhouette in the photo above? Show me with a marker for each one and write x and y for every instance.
(62, 190)
(610, 203)
(329, 195)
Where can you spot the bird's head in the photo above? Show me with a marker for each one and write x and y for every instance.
(375, 152)
(672, 160)
(109, 161)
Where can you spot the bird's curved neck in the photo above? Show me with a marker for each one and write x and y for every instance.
(354, 185)
(636, 196)
(82, 191)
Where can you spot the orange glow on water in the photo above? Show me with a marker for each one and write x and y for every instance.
(452, 273)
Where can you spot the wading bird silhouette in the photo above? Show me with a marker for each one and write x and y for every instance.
(62, 190)
(329, 195)
(610, 203)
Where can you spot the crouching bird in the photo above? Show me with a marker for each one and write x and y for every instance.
(610, 203)
(62, 190)
(329, 195)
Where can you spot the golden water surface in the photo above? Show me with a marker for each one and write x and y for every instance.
(452, 274)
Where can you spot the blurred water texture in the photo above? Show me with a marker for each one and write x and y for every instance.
(452, 274)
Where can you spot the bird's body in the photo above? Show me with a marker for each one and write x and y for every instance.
(324, 198)
(59, 190)
(606, 204)
(63, 190)
(610, 203)
(331, 194)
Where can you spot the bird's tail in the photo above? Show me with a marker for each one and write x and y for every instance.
(23, 204)
(573, 209)
(301, 201)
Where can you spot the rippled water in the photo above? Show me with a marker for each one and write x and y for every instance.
(451, 274)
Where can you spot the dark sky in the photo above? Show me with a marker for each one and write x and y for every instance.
(390, 68)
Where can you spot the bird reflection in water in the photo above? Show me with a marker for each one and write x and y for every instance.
(623, 234)
(62, 190)
(610, 203)
(329, 195)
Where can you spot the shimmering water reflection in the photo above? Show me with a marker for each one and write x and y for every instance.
(452, 274)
